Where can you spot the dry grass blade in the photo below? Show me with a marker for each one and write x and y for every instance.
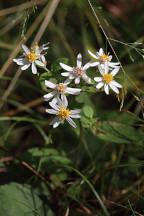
(25, 106)
(21, 7)
(120, 205)
(6, 46)
(46, 21)
(28, 34)
(10, 25)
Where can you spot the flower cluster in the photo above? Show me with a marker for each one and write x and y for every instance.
(107, 71)
(35, 56)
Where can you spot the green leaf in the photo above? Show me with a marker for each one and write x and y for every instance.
(84, 98)
(119, 133)
(88, 111)
(50, 158)
(88, 123)
(23, 200)
(55, 67)
(43, 77)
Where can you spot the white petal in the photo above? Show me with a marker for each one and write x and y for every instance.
(60, 102)
(106, 69)
(50, 84)
(64, 101)
(18, 61)
(26, 49)
(98, 79)
(66, 67)
(113, 82)
(44, 46)
(93, 64)
(38, 51)
(115, 71)
(114, 88)
(75, 116)
(73, 91)
(71, 122)
(39, 63)
(52, 111)
(93, 55)
(49, 95)
(79, 60)
(106, 88)
(101, 52)
(72, 76)
(86, 79)
(25, 67)
(114, 64)
(99, 85)
(75, 111)
(86, 66)
(67, 81)
(34, 69)
(55, 122)
(101, 70)
(54, 105)
(77, 80)
(55, 99)
(43, 59)
(65, 74)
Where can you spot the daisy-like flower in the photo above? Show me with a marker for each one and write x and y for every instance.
(76, 72)
(60, 89)
(32, 57)
(60, 110)
(101, 58)
(107, 79)
(38, 50)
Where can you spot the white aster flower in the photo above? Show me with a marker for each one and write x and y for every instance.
(107, 79)
(62, 113)
(60, 89)
(101, 58)
(76, 72)
(32, 57)
(39, 49)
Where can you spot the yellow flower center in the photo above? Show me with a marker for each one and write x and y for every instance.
(36, 46)
(78, 71)
(61, 88)
(64, 113)
(104, 58)
(108, 78)
(31, 56)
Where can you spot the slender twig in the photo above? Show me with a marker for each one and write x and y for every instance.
(27, 166)
(120, 205)
(37, 174)
(21, 7)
